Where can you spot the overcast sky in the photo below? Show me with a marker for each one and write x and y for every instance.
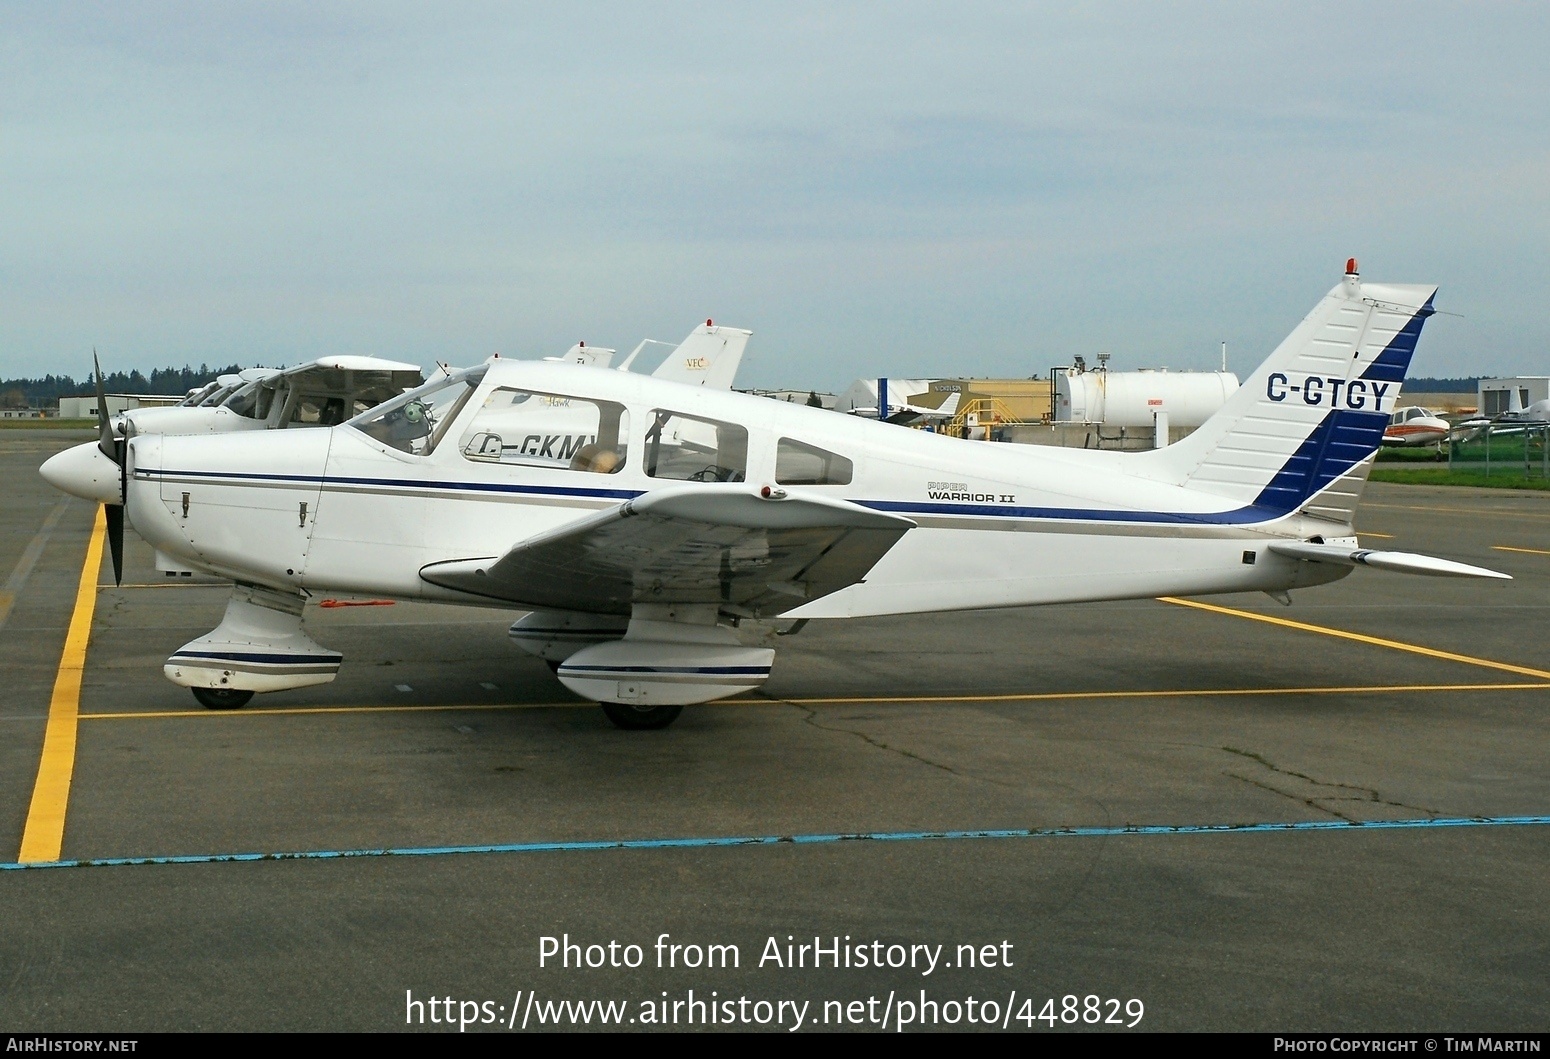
(895, 188)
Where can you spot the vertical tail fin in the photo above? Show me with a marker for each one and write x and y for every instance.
(708, 357)
(1300, 434)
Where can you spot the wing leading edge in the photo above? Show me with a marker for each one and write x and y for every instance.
(707, 544)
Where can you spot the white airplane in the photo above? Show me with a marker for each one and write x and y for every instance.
(1416, 426)
(634, 568)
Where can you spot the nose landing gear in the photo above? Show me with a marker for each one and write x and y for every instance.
(640, 718)
(222, 698)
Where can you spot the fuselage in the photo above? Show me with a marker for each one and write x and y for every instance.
(1416, 426)
(341, 511)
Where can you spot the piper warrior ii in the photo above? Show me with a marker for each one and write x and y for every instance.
(638, 521)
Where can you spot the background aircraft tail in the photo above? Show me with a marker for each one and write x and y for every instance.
(1301, 433)
(708, 357)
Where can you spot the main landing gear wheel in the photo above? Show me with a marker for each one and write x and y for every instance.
(639, 718)
(221, 698)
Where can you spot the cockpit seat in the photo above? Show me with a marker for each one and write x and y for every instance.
(599, 459)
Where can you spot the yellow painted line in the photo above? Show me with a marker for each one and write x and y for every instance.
(44, 833)
(1474, 511)
(136, 715)
(1525, 551)
(1054, 696)
(1043, 696)
(1360, 638)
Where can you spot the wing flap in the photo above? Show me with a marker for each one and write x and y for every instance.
(707, 544)
(1400, 562)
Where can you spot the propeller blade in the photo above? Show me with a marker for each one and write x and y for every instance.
(104, 426)
(115, 520)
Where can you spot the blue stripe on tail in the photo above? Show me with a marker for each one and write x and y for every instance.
(1341, 441)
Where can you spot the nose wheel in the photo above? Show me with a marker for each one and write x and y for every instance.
(640, 718)
(222, 698)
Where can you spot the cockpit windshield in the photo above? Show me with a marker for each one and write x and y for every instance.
(414, 422)
(197, 397)
(218, 397)
(250, 401)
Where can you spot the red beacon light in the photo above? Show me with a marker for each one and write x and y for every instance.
(1350, 266)
(710, 323)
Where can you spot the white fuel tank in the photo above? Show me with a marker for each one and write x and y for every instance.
(1133, 398)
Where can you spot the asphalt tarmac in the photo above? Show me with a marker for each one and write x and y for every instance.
(1186, 800)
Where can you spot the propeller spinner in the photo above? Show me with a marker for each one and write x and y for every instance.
(97, 471)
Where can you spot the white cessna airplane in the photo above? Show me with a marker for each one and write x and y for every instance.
(693, 508)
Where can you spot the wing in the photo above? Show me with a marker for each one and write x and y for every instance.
(722, 544)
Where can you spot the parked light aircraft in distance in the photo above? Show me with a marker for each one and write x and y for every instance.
(329, 390)
(1416, 426)
(324, 392)
(696, 509)
(1515, 421)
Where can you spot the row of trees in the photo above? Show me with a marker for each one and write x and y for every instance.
(46, 392)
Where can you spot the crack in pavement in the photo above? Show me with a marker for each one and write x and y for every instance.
(1077, 891)
(810, 716)
(1365, 795)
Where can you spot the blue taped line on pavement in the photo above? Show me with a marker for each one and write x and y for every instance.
(816, 839)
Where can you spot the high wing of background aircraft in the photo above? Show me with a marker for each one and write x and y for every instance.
(713, 507)
(324, 392)
(221, 387)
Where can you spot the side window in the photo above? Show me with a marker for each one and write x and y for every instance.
(530, 429)
(689, 449)
(799, 464)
